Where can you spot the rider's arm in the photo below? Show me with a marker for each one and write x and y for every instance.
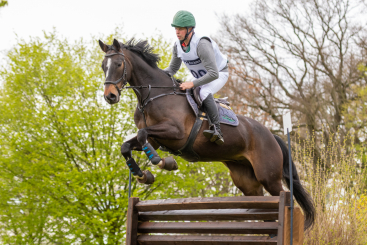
(175, 63)
(206, 54)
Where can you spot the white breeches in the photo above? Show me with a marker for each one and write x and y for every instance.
(214, 86)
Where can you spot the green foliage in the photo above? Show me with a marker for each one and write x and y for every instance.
(62, 177)
(3, 3)
(60, 157)
(337, 187)
(355, 115)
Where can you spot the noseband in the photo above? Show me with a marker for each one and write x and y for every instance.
(123, 77)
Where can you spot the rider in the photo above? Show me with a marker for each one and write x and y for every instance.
(206, 63)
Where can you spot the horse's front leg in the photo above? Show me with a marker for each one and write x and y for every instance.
(145, 176)
(161, 131)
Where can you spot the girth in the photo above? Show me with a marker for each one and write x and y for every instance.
(187, 149)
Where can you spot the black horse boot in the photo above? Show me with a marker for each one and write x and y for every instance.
(214, 134)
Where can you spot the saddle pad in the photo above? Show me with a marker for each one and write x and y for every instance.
(226, 115)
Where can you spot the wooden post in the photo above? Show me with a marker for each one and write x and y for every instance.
(298, 226)
(132, 222)
(284, 202)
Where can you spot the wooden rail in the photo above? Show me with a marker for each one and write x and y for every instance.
(236, 216)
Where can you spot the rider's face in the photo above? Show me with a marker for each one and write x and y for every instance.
(181, 32)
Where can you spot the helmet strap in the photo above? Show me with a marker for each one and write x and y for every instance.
(187, 34)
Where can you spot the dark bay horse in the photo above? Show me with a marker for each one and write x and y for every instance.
(254, 156)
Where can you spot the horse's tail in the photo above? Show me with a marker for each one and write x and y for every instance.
(302, 196)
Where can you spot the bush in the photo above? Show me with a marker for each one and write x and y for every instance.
(336, 184)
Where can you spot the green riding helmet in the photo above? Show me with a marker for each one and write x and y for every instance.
(183, 18)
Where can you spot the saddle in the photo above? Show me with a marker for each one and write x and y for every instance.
(226, 115)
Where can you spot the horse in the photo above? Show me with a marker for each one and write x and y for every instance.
(255, 157)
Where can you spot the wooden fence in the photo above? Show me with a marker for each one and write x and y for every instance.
(226, 220)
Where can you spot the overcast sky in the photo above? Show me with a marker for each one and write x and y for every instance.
(82, 18)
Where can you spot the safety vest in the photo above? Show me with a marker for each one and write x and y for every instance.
(192, 60)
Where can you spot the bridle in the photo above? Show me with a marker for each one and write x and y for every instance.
(145, 101)
(123, 77)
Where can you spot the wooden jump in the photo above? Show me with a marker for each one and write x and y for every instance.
(237, 216)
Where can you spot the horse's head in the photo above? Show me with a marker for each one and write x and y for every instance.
(114, 67)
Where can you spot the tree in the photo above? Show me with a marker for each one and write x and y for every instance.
(355, 114)
(64, 168)
(298, 55)
(62, 176)
(3, 3)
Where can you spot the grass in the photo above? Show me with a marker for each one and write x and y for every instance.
(337, 185)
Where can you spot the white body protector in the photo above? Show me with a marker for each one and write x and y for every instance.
(192, 60)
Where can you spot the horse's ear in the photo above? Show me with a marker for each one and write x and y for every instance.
(103, 46)
(116, 44)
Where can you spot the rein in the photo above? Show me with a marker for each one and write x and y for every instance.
(144, 102)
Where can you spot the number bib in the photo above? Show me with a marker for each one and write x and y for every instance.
(192, 60)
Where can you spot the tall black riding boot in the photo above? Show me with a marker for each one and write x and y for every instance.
(214, 134)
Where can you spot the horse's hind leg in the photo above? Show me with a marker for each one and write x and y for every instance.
(268, 170)
(244, 178)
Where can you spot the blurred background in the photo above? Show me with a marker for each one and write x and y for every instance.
(62, 177)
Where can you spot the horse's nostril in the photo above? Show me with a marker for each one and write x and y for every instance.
(111, 97)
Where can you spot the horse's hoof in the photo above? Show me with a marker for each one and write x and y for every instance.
(148, 178)
(168, 163)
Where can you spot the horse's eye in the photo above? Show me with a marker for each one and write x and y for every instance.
(119, 65)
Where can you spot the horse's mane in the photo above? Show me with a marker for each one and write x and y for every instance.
(144, 50)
